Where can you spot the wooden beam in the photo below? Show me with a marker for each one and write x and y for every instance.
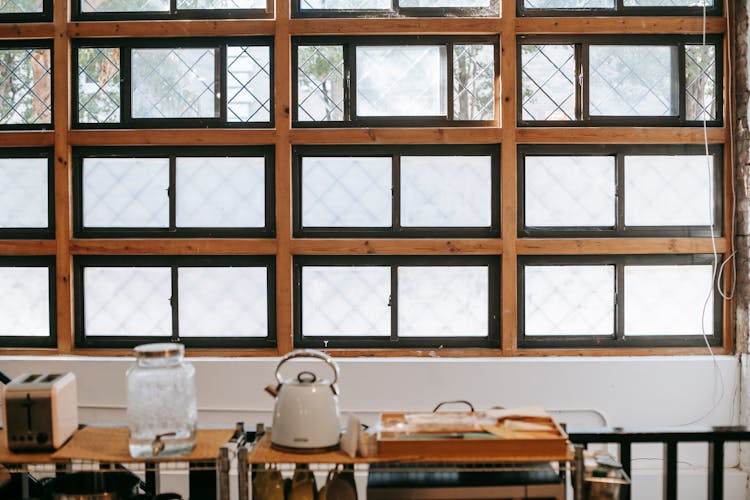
(619, 246)
(400, 26)
(14, 31)
(457, 135)
(28, 139)
(217, 246)
(117, 29)
(619, 135)
(618, 25)
(172, 137)
(396, 247)
(28, 247)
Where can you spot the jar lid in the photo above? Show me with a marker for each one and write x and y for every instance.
(162, 350)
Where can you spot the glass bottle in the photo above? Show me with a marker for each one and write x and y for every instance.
(161, 403)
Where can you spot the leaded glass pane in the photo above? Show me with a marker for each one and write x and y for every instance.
(223, 301)
(345, 5)
(91, 6)
(248, 84)
(125, 301)
(174, 83)
(444, 4)
(221, 192)
(99, 85)
(473, 82)
(408, 80)
(23, 193)
(220, 4)
(633, 80)
(25, 308)
(320, 83)
(569, 4)
(21, 6)
(569, 300)
(443, 301)
(668, 190)
(668, 3)
(346, 301)
(125, 192)
(669, 300)
(700, 82)
(25, 86)
(548, 82)
(346, 192)
(447, 191)
(569, 191)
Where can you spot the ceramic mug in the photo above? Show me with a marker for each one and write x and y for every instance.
(339, 485)
(268, 485)
(303, 485)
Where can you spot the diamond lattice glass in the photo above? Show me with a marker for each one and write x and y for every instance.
(99, 85)
(125, 192)
(220, 4)
(633, 80)
(548, 82)
(221, 192)
(23, 193)
(569, 300)
(248, 84)
(25, 86)
(25, 308)
(473, 82)
(668, 190)
(443, 301)
(700, 82)
(569, 4)
(320, 83)
(346, 301)
(569, 191)
(223, 302)
(668, 300)
(346, 192)
(125, 301)
(447, 191)
(174, 83)
(21, 6)
(401, 80)
(90, 6)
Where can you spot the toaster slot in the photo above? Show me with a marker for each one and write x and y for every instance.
(30, 378)
(51, 377)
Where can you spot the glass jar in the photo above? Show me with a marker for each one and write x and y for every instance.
(162, 411)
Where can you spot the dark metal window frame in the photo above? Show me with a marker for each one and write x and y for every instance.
(80, 263)
(172, 153)
(618, 340)
(581, 48)
(126, 45)
(30, 17)
(349, 45)
(174, 13)
(618, 10)
(33, 232)
(396, 11)
(619, 152)
(35, 44)
(395, 153)
(28, 340)
(491, 263)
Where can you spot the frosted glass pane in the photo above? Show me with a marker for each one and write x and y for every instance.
(444, 3)
(401, 81)
(569, 4)
(221, 192)
(570, 191)
(667, 3)
(220, 4)
(340, 301)
(633, 80)
(21, 6)
(346, 192)
(668, 190)
(23, 192)
(446, 191)
(223, 302)
(125, 192)
(443, 301)
(569, 300)
(88, 6)
(174, 83)
(345, 4)
(25, 308)
(127, 301)
(668, 300)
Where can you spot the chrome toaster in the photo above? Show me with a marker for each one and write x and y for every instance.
(40, 411)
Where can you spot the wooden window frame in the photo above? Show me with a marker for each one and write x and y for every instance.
(173, 14)
(30, 17)
(504, 132)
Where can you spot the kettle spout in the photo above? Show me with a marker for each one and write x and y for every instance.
(273, 390)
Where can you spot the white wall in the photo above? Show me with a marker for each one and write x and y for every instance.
(614, 391)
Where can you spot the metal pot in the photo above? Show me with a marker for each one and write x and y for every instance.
(94, 485)
(306, 415)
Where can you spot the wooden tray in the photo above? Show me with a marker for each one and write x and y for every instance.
(519, 446)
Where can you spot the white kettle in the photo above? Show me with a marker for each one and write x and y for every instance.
(306, 415)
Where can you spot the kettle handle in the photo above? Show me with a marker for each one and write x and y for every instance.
(309, 353)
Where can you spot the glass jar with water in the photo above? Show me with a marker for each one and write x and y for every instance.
(162, 411)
